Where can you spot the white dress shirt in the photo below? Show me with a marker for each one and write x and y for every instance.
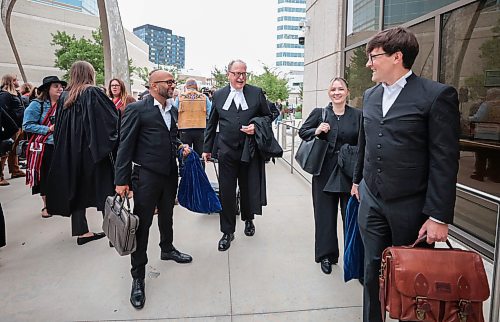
(391, 92)
(165, 112)
(238, 97)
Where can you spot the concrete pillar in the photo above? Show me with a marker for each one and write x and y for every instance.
(115, 46)
(6, 11)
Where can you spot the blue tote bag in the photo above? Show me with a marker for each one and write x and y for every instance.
(195, 192)
(354, 252)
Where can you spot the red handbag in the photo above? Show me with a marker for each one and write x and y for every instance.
(432, 285)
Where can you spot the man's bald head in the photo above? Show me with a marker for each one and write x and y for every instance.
(161, 85)
(158, 75)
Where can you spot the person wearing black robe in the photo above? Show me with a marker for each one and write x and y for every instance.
(85, 138)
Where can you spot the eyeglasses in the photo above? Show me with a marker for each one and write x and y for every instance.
(375, 56)
(238, 74)
(115, 85)
(169, 82)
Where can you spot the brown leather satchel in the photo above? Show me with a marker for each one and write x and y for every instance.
(441, 285)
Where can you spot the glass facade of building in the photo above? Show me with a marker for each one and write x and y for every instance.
(165, 48)
(459, 46)
(83, 6)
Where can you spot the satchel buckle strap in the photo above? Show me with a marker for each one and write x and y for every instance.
(383, 265)
(465, 309)
(422, 307)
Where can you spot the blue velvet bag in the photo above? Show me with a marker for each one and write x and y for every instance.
(354, 252)
(195, 192)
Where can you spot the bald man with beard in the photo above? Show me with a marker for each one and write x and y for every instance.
(148, 141)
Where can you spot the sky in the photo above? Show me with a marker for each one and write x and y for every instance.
(216, 31)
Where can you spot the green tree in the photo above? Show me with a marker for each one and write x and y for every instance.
(220, 77)
(274, 84)
(358, 76)
(71, 49)
(490, 60)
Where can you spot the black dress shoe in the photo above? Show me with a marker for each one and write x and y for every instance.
(84, 240)
(225, 242)
(176, 256)
(138, 295)
(326, 266)
(249, 228)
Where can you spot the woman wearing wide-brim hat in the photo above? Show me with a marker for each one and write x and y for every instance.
(39, 122)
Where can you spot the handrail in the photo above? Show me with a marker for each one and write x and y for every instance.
(294, 128)
(495, 287)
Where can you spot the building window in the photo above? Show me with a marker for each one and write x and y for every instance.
(362, 19)
(288, 27)
(288, 18)
(289, 64)
(470, 62)
(292, 1)
(424, 32)
(357, 75)
(289, 46)
(397, 12)
(290, 9)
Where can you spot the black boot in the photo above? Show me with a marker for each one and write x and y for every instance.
(138, 294)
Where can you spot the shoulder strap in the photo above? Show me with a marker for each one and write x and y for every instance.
(323, 114)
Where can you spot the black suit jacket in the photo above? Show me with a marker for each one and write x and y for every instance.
(230, 121)
(414, 149)
(146, 140)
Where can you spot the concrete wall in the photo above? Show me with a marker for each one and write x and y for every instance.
(322, 50)
(32, 25)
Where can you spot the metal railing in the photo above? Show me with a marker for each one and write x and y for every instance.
(467, 239)
(470, 242)
(281, 136)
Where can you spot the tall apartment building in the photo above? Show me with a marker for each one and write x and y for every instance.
(289, 53)
(165, 48)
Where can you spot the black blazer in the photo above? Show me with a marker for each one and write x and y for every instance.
(347, 133)
(414, 149)
(230, 121)
(146, 141)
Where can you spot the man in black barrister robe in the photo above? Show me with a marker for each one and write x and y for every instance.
(148, 139)
(408, 157)
(232, 109)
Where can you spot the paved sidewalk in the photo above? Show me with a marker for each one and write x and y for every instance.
(45, 276)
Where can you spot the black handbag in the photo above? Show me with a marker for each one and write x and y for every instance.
(311, 154)
(120, 225)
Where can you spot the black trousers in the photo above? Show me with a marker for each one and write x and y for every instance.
(326, 205)
(194, 138)
(383, 224)
(152, 190)
(79, 224)
(231, 172)
(2, 228)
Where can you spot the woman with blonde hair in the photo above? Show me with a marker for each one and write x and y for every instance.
(338, 124)
(85, 137)
(10, 103)
(118, 93)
